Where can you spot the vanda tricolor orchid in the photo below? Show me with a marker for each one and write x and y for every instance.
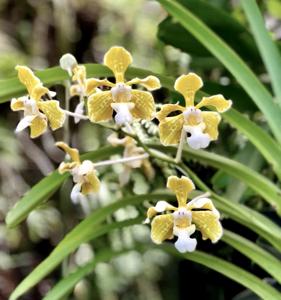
(83, 173)
(37, 112)
(199, 127)
(199, 214)
(128, 103)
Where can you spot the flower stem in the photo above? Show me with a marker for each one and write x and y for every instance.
(120, 161)
(74, 115)
(180, 147)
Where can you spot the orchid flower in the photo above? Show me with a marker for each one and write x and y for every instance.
(37, 112)
(131, 150)
(81, 86)
(182, 221)
(128, 103)
(198, 127)
(83, 173)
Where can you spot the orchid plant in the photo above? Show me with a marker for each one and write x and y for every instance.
(153, 139)
(131, 106)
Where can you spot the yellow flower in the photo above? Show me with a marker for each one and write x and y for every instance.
(83, 173)
(199, 214)
(131, 150)
(128, 103)
(37, 112)
(201, 127)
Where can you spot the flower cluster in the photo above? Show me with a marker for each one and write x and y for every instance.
(125, 102)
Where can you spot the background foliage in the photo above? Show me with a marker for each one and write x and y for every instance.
(243, 175)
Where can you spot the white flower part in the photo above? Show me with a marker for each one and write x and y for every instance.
(52, 94)
(198, 139)
(79, 110)
(200, 202)
(121, 93)
(161, 206)
(123, 114)
(31, 111)
(24, 123)
(194, 113)
(184, 243)
(76, 194)
(67, 62)
(79, 171)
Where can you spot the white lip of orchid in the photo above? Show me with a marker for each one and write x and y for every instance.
(184, 243)
(123, 114)
(198, 139)
(121, 92)
(193, 112)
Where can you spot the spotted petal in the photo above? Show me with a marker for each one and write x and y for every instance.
(118, 59)
(170, 130)
(66, 167)
(53, 112)
(181, 187)
(150, 82)
(211, 121)
(217, 101)
(79, 74)
(17, 104)
(72, 152)
(209, 225)
(38, 126)
(144, 105)
(188, 85)
(27, 77)
(99, 106)
(92, 183)
(93, 83)
(162, 228)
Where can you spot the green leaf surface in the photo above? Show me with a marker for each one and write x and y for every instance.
(229, 270)
(268, 262)
(268, 50)
(231, 61)
(46, 187)
(264, 259)
(220, 21)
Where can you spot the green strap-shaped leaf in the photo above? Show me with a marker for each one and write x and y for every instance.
(262, 258)
(231, 60)
(231, 271)
(47, 186)
(84, 231)
(268, 49)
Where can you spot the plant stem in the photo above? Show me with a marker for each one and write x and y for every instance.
(179, 152)
(74, 115)
(121, 160)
